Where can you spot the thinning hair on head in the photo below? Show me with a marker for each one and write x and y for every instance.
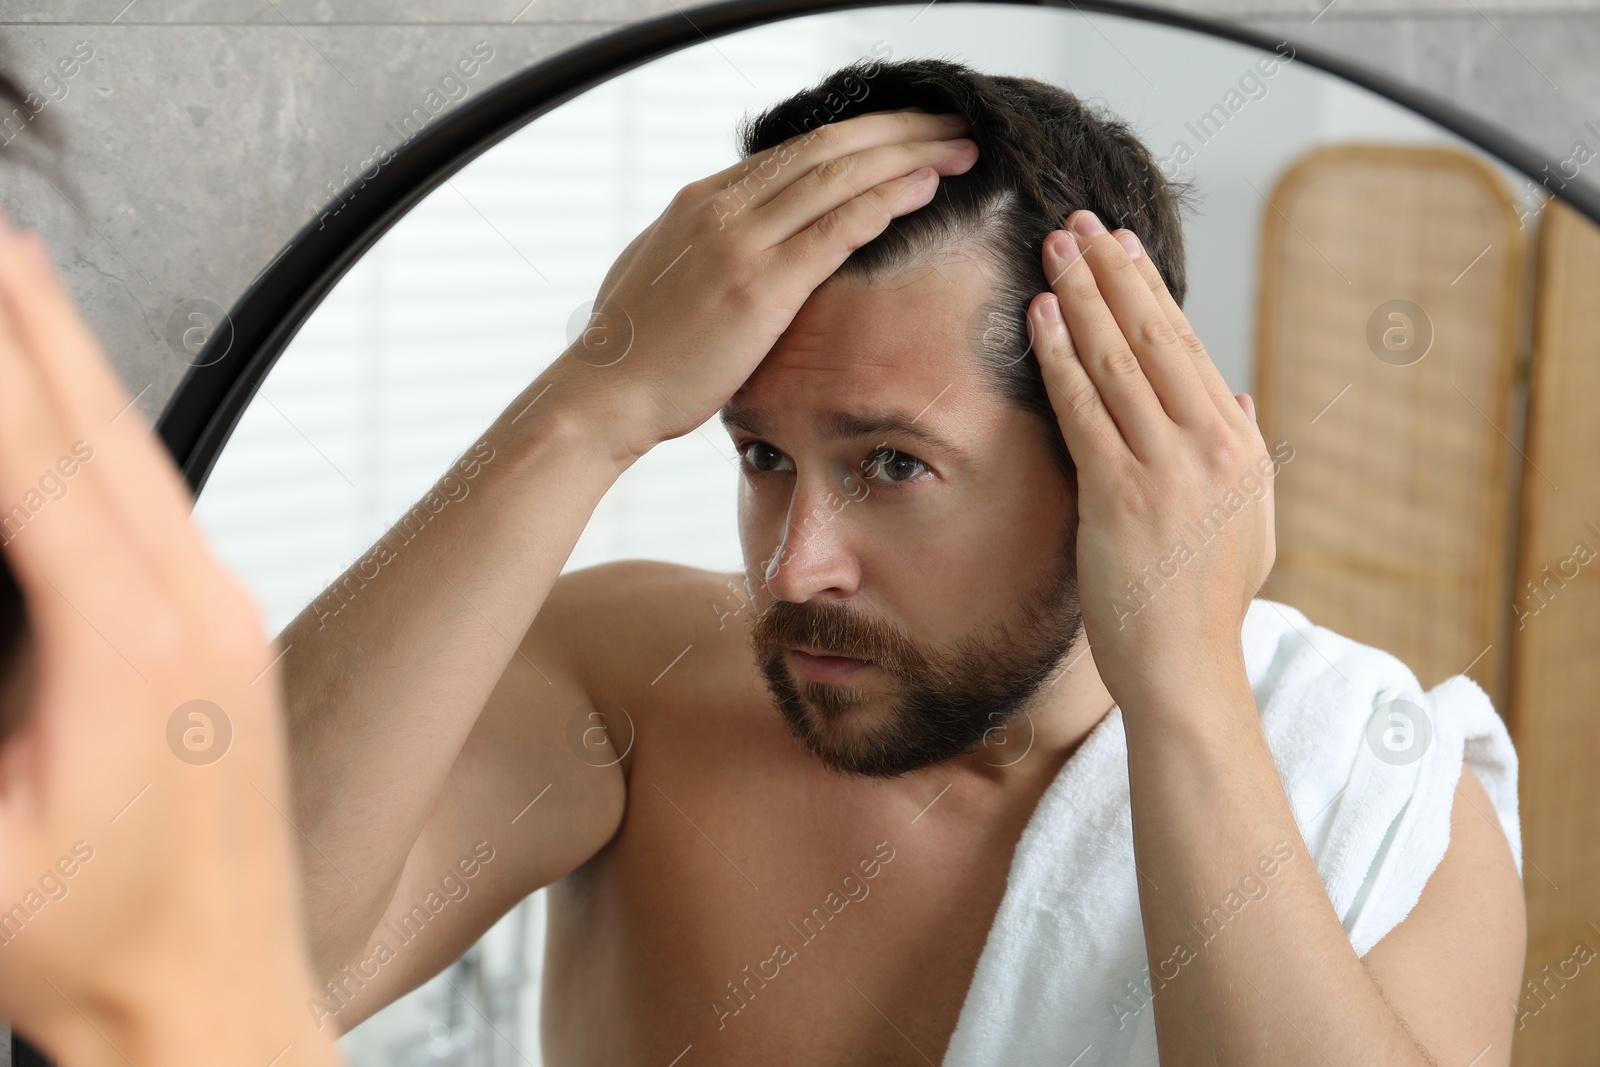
(1042, 154)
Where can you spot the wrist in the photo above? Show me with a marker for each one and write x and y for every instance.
(1175, 680)
(597, 409)
(1189, 678)
(1200, 715)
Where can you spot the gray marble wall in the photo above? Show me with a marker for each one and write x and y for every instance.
(199, 135)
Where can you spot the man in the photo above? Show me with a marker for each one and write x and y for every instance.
(776, 809)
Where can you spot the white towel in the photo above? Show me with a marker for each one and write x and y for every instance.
(1063, 979)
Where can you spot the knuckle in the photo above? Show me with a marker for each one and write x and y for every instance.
(825, 137)
(1079, 282)
(833, 170)
(1119, 265)
(691, 194)
(1223, 451)
(740, 287)
(830, 226)
(767, 168)
(1120, 362)
(921, 153)
(1190, 342)
(1083, 400)
(743, 189)
(1140, 507)
(717, 208)
(1157, 332)
(739, 297)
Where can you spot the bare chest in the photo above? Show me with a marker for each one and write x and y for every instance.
(756, 908)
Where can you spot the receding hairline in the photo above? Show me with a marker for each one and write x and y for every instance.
(968, 238)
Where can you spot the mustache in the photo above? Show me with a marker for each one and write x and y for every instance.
(835, 629)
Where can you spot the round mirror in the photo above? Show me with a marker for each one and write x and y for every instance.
(1373, 280)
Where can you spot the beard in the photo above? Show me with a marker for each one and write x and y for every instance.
(945, 703)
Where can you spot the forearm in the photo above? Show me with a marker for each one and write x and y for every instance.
(1249, 963)
(386, 673)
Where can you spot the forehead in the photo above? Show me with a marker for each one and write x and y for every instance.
(899, 343)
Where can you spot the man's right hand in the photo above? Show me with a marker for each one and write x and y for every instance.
(705, 291)
(426, 708)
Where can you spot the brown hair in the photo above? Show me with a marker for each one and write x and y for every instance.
(1042, 154)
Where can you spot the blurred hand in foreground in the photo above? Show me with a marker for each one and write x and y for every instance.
(149, 905)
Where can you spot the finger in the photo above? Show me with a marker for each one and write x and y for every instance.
(759, 178)
(130, 473)
(1103, 350)
(1210, 377)
(55, 541)
(809, 257)
(75, 374)
(1092, 437)
(117, 546)
(836, 181)
(1144, 325)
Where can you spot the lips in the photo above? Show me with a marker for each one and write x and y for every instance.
(813, 651)
(825, 667)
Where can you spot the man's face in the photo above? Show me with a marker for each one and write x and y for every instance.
(948, 567)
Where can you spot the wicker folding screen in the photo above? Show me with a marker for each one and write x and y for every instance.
(1554, 710)
(1387, 336)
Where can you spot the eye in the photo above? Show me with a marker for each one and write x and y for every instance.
(890, 466)
(764, 454)
(893, 466)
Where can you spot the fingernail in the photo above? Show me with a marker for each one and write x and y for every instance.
(1064, 245)
(1087, 224)
(952, 118)
(1127, 240)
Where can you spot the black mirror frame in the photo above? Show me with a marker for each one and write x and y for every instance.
(208, 403)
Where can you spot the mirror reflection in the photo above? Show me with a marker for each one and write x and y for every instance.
(563, 496)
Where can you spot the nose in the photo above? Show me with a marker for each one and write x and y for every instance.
(813, 557)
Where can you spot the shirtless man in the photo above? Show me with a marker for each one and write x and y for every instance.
(675, 755)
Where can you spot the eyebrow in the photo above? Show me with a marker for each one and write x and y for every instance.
(852, 425)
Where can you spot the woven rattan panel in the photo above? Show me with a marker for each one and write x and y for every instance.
(1389, 318)
(1554, 712)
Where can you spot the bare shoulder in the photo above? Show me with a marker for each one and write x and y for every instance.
(1453, 968)
(611, 613)
(620, 624)
(642, 639)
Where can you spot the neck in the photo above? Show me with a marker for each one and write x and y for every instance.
(1024, 756)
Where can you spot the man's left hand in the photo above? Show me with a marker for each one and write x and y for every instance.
(1175, 531)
